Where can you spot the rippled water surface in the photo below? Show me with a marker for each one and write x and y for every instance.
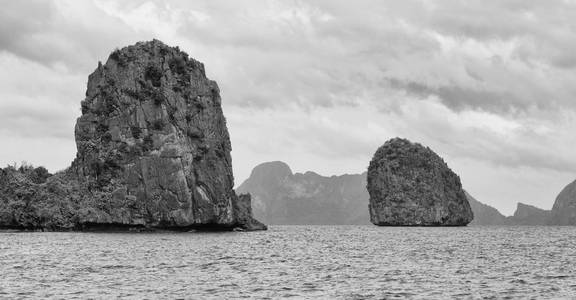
(344, 262)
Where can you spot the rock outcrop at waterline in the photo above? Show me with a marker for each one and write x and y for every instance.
(153, 150)
(410, 185)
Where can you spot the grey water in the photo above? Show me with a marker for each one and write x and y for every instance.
(332, 262)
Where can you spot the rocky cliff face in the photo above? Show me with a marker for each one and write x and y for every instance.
(153, 147)
(281, 197)
(564, 209)
(410, 185)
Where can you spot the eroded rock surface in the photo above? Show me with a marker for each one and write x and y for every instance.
(153, 147)
(410, 185)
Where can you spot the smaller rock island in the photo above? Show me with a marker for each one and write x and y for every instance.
(410, 185)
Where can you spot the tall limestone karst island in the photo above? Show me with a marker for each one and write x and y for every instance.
(153, 153)
(410, 185)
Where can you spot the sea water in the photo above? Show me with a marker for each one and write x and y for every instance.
(331, 262)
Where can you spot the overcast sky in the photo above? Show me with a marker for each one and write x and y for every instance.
(489, 85)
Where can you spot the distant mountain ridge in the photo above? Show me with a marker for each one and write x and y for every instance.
(281, 197)
(485, 214)
(563, 211)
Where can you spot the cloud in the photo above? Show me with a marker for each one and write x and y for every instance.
(66, 34)
(37, 101)
(327, 53)
(19, 19)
